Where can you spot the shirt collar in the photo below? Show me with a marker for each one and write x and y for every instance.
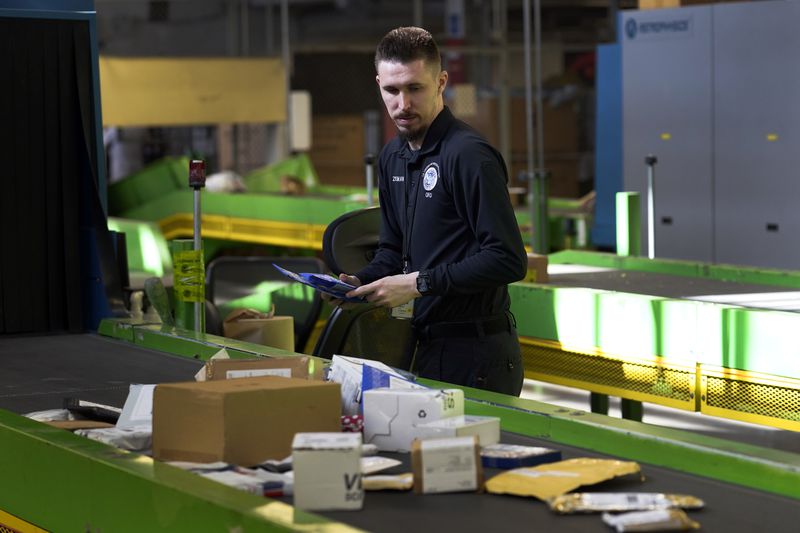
(434, 134)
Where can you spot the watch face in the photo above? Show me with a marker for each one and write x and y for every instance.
(422, 284)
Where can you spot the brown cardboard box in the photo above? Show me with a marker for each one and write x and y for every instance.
(251, 326)
(294, 367)
(659, 4)
(337, 138)
(537, 269)
(240, 421)
(72, 425)
(560, 125)
(339, 173)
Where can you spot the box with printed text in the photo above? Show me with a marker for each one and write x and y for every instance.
(391, 415)
(287, 367)
(327, 471)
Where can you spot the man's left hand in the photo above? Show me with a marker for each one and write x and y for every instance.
(390, 291)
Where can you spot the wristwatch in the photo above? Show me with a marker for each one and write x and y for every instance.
(424, 282)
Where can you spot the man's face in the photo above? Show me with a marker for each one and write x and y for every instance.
(412, 93)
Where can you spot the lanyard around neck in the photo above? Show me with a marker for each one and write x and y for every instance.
(411, 191)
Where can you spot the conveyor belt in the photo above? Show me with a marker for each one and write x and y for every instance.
(729, 508)
(39, 371)
(672, 286)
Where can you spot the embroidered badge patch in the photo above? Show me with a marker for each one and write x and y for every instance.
(430, 176)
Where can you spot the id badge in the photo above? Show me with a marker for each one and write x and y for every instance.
(404, 312)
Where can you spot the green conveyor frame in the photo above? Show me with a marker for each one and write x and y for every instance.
(159, 193)
(719, 359)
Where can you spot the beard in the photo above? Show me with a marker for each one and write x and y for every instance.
(413, 136)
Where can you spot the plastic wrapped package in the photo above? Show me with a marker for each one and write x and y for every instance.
(661, 520)
(589, 502)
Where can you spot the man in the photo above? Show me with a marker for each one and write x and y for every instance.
(449, 241)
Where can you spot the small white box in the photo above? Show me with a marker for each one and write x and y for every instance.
(446, 465)
(390, 415)
(327, 471)
(486, 428)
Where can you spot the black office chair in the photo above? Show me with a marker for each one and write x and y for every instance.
(367, 331)
(230, 280)
(349, 242)
(213, 320)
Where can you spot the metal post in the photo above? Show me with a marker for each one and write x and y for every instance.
(369, 162)
(537, 177)
(504, 113)
(598, 403)
(287, 65)
(651, 161)
(631, 409)
(269, 26)
(244, 33)
(418, 13)
(198, 245)
(543, 219)
(537, 32)
(532, 196)
(197, 180)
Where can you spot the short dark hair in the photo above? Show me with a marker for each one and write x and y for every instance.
(407, 44)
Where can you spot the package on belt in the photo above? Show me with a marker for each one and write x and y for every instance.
(269, 329)
(357, 375)
(391, 415)
(327, 471)
(486, 428)
(241, 421)
(447, 465)
(287, 367)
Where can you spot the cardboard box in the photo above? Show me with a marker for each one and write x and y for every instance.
(485, 428)
(390, 415)
(287, 367)
(660, 4)
(72, 425)
(447, 465)
(337, 138)
(327, 471)
(338, 173)
(560, 127)
(275, 331)
(240, 421)
(537, 269)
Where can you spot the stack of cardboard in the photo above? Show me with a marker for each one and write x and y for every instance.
(337, 149)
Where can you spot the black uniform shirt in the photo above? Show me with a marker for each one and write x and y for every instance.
(450, 201)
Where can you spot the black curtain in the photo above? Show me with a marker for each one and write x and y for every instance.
(48, 172)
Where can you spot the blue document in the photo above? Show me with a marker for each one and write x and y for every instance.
(323, 283)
